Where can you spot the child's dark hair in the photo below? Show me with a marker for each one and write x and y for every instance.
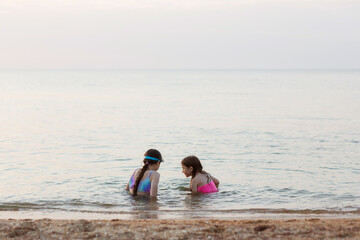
(151, 153)
(194, 162)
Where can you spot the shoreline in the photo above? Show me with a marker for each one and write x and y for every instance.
(307, 228)
(173, 215)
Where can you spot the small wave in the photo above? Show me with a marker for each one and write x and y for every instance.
(24, 206)
(109, 208)
(56, 205)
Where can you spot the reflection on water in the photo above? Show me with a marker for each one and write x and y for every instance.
(144, 207)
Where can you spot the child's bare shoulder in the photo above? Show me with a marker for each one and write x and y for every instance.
(155, 174)
(200, 178)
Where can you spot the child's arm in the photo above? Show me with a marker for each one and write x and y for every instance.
(216, 181)
(193, 186)
(154, 179)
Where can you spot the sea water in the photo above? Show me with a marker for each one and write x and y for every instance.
(278, 141)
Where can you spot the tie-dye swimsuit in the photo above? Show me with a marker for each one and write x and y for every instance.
(144, 185)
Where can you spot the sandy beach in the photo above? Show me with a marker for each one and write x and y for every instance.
(313, 228)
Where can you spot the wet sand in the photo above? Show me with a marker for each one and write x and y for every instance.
(314, 228)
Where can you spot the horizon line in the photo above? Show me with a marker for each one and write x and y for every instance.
(179, 69)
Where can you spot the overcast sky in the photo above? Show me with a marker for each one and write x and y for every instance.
(179, 34)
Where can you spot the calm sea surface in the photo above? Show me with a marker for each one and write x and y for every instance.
(278, 141)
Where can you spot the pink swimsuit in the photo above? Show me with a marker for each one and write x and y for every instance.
(208, 188)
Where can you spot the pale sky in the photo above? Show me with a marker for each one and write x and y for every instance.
(179, 34)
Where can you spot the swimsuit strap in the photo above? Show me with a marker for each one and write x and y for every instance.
(133, 176)
(150, 173)
(209, 179)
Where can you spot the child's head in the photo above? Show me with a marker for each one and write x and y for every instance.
(191, 165)
(152, 156)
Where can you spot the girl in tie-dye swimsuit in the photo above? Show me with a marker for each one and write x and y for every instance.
(201, 181)
(144, 181)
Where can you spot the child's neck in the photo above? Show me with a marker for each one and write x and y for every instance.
(152, 167)
(195, 175)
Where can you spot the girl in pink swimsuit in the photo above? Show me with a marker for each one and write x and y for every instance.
(201, 181)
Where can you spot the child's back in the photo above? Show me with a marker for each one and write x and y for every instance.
(144, 187)
(204, 182)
